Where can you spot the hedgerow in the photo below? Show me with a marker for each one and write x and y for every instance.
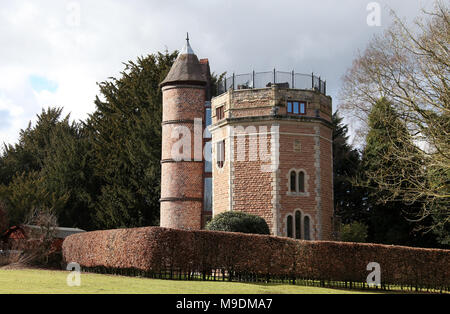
(178, 254)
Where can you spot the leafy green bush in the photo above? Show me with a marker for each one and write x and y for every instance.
(238, 222)
(354, 232)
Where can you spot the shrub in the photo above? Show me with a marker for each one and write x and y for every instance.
(354, 232)
(238, 222)
(180, 254)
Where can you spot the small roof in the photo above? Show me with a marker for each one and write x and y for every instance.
(187, 49)
(186, 69)
(61, 232)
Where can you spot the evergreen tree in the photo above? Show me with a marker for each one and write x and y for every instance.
(388, 220)
(68, 171)
(126, 138)
(48, 170)
(349, 199)
(29, 153)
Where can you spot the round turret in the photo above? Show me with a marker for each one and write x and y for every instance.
(184, 96)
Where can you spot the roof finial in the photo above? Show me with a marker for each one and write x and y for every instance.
(187, 47)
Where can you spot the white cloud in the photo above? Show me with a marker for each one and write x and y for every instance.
(41, 38)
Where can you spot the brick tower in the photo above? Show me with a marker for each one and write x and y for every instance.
(185, 93)
(272, 153)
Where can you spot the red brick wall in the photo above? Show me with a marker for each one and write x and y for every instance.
(302, 160)
(181, 182)
(252, 190)
(221, 176)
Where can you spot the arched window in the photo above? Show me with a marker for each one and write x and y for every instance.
(220, 154)
(306, 228)
(301, 182)
(293, 180)
(298, 223)
(290, 232)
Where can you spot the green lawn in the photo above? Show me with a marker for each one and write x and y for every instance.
(54, 282)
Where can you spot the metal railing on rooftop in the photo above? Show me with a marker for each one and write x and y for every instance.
(267, 79)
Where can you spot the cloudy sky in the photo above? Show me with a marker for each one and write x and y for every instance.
(53, 52)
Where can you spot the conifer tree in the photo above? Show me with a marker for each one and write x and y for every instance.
(348, 198)
(389, 216)
(126, 138)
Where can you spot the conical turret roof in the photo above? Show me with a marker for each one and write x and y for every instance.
(186, 69)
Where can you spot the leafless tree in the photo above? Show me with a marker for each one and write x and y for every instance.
(409, 66)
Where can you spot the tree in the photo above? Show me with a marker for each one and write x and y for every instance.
(354, 232)
(4, 222)
(411, 70)
(68, 171)
(29, 153)
(49, 168)
(26, 193)
(388, 217)
(126, 137)
(348, 198)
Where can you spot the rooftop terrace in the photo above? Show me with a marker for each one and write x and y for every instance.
(266, 79)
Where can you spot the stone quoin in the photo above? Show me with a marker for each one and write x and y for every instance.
(267, 152)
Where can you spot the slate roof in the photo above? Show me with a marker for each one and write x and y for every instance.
(186, 69)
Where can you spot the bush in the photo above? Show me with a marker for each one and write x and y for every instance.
(354, 232)
(180, 254)
(238, 222)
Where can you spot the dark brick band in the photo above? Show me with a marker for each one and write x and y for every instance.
(172, 161)
(178, 121)
(181, 199)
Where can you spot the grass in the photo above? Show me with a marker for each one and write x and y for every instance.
(31, 281)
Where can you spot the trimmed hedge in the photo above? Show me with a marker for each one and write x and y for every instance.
(238, 222)
(152, 251)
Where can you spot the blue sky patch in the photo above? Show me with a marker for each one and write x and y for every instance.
(39, 83)
(4, 119)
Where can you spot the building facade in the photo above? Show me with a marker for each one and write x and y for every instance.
(266, 151)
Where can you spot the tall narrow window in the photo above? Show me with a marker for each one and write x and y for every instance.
(207, 202)
(220, 113)
(208, 157)
(298, 223)
(208, 122)
(301, 182)
(220, 154)
(302, 108)
(293, 179)
(296, 108)
(289, 107)
(289, 226)
(306, 228)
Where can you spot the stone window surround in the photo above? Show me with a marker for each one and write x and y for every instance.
(302, 224)
(297, 193)
(214, 152)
